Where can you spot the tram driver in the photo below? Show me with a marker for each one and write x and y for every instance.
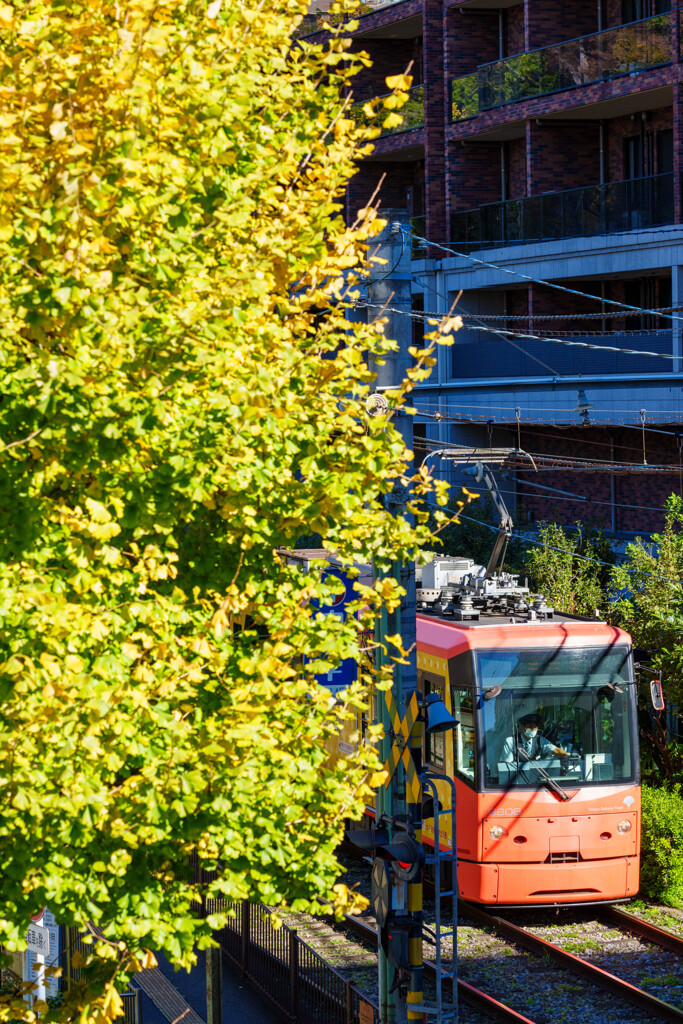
(529, 740)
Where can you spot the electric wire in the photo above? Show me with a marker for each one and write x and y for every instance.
(483, 410)
(549, 547)
(568, 316)
(538, 280)
(522, 336)
(581, 499)
(445, 446)
(584, 441)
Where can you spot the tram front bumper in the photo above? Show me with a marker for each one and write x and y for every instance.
(582, 882)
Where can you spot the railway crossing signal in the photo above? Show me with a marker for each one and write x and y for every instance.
(405, 855)
(394, 938)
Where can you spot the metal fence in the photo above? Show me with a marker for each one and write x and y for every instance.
(599, 57)
(72, 942)
(572, 213)
(294, 978)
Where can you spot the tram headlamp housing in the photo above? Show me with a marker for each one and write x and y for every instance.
(497, 832)
(624, 826)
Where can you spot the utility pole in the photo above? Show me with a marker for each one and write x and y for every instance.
(390, 285)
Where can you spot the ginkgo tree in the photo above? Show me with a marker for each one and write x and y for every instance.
(183, 396)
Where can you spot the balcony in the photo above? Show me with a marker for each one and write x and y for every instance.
(599, 57)
(477, 355)
(595, 210)
(412, 114)
(315, 21)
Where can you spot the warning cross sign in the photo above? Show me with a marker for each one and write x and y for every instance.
(400, 750)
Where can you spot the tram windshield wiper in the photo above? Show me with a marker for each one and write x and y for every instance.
(544, 775)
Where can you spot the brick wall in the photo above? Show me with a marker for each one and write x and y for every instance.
(472, 39)
(399, 177)
(611, 13)
(516, 168)
(389, 57)
(648, 493)
(514, 19)
(434, 21)
(475, 175)
(552, 21)
(563, 157)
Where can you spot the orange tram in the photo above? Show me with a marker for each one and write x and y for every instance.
(557, 821)
(545, 753)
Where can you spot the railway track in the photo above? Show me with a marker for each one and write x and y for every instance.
(576, 965)
(524, 938)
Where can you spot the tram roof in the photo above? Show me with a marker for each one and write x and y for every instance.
(445, 638)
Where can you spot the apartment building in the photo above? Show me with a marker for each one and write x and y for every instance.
(539, 158)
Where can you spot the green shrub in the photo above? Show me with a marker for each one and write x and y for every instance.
(661, 874)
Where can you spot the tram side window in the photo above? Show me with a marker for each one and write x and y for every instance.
(462, 709)
(435, 744)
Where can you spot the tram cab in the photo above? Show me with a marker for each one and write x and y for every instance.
(544, 756)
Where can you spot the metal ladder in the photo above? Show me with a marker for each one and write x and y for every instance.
(450, 1011)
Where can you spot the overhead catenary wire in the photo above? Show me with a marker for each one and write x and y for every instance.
(576, 316)
(550, 547)
(484, 413)
(565, 496)
(522, 336)
(541, 281)
(446, 448)
(673, 434)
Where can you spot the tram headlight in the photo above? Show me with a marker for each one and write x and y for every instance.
(497, 832)
(624, 826)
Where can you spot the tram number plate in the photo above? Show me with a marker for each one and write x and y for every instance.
(366, 1013)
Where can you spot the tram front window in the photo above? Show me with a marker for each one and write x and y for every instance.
(564, 714)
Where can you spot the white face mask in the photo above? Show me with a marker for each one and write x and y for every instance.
(530, 733)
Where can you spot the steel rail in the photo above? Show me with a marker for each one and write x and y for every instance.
(643, 929)
(474, 996)
(583, 968)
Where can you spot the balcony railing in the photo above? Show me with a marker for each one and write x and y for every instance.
(599, 57)
(412, 114)
(313, 22)
(595, 210)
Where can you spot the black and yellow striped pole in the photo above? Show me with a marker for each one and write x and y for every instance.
(415, 996)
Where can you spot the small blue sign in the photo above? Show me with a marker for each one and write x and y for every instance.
(342, 675)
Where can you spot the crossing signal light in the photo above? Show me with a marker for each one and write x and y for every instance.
(406, 855)
(395, 941)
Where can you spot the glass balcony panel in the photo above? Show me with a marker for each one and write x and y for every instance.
(549, 71)
(512, 220)
(531, 218)
(624, 50)
(495, 225)
(464, 97)
(592, 59)
(663, 199)
(594, 210)
(418, 225)
(488, 86)
(412, 113)
(590, 218)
